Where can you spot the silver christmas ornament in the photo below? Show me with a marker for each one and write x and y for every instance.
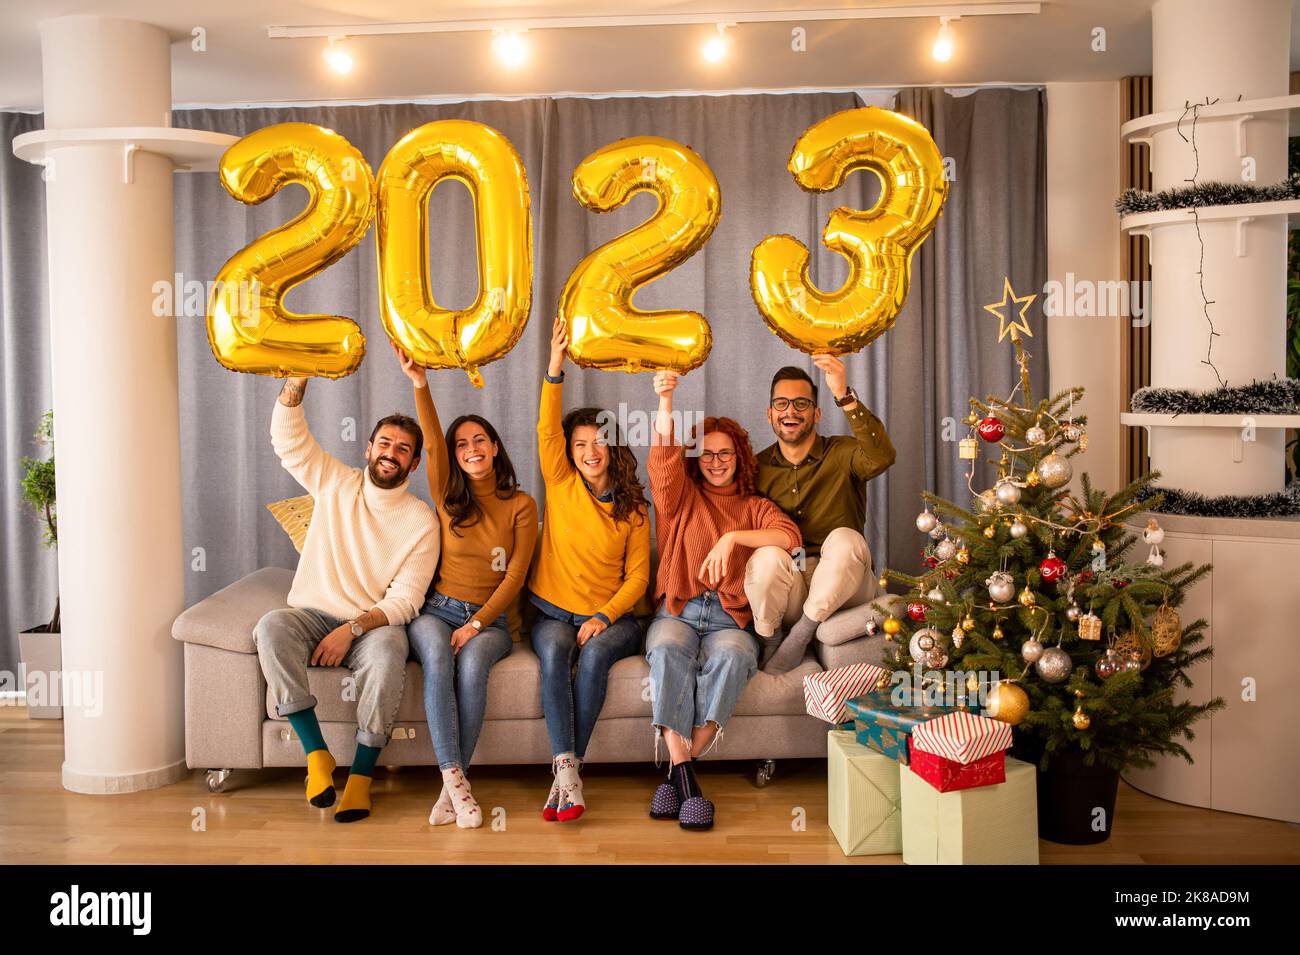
(1035, 435)
(1031, 650)
(936, 595)
(917, 647)
(1108, 664)
(1019, 529)
(938, 531)
(925, 521)
(1054, 665)
(1055, 471)
(1072, 612)
(986, 501)
(1071, 431)
(945, 549)
(936, 659)
(1002, 587)
(1008, 493)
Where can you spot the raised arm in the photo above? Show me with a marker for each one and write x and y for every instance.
(521, 555)
(551, 453)
(310, 464)
(666, 466)
(435, 443)
(874, 452)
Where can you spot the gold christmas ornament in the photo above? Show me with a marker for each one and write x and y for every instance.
(968, 623)
(1007, 702)
(963, 555)
(1032, 479)
(967, 449)
(1166, 631)
(884, 581)
(1090, 626)
(997, 632)
(1027, 598)
(1080, 718)
(892, 626)
(990, 531)
(1055, 471)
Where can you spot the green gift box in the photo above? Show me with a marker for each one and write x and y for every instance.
(884, 725)
(863, 797)
(990, 825)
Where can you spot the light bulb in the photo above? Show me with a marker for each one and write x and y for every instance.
(716, 47)
(510, 48)
(337, 57)
(943, 41)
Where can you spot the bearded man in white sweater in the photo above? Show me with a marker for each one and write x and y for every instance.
(368, 559)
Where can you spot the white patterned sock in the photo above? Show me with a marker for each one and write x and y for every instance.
(442, 813)
(468, 814)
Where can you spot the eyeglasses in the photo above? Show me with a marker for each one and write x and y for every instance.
(800, 404)
(725, 456)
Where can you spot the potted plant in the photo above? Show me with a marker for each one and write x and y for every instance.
(40, 648)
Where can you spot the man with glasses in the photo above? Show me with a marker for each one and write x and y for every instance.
(820, 482)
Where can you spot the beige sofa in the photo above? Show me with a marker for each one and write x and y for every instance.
(230, 721)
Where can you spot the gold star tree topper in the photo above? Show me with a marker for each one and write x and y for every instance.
(1000, 309)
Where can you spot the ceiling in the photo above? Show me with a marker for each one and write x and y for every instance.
(242, 65)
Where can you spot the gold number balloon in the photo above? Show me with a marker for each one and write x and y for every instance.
(487, 163)
(878, 242)
(605, 329)
(248, 327)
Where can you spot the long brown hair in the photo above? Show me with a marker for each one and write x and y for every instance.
(629, 492)
(458, 499)
(746, 464)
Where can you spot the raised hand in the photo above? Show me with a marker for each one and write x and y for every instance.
(559, 344)
(835, 372)
(417, 373)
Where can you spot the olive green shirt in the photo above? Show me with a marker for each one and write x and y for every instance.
(828, 488)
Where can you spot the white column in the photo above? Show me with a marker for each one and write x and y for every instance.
(1205, 48)
(115, 406)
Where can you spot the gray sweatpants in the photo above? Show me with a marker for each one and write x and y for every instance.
(285, 642)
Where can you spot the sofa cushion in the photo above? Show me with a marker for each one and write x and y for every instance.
(865, 650)
(628, 693)
(226, 619)
(851, 622)
(514, 691)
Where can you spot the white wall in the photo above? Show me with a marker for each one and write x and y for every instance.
(1083, 238)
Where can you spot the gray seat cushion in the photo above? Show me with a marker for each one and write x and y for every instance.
(227, 618)
(851, 622)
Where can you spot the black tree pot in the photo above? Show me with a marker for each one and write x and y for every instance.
(1076, 802)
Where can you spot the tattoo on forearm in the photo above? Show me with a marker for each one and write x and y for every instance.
(292, 393)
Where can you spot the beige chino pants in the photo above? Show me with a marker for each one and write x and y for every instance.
(779, 591)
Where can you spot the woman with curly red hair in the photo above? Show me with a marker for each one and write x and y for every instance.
(701, 645)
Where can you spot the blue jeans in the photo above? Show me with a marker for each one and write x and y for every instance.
(571, 704)
(455, 685)
(700, 661)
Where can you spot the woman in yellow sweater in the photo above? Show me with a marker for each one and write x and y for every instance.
(489, 527)
(592, 568)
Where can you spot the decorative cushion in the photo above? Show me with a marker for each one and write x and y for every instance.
(294, 515)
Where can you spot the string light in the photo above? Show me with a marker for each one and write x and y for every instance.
(1194, 109)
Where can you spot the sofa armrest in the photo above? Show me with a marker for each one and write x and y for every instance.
(850, 623)
(226, 619)
(861, 650)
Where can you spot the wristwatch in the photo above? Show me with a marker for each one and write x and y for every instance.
(850, 396)
(476, 624)
(357, 629)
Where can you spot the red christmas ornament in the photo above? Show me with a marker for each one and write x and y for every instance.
(932, 561)
(991, 429)
(916, 610)
(1052, 568)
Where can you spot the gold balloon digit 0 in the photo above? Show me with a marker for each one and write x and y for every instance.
(248, 327)
(878, 242)
(605, 329)
(488, 164)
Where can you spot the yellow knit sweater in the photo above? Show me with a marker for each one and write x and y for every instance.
(367, 546)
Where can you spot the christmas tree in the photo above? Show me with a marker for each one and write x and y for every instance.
(1028, 601)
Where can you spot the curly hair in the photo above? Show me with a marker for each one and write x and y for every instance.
(458, 500)
(629, 492)
(746, 463)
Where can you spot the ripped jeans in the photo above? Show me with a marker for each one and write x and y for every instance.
(700, 661)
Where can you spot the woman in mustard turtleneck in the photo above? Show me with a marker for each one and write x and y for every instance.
(489, 527)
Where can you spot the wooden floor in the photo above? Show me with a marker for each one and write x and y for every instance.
(264, 818)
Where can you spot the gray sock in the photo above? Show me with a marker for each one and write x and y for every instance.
(768, 647)
(790, 653)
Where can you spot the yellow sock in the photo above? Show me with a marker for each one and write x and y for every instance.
(355, 803)
(320, 778)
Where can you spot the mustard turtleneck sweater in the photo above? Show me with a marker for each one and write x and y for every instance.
(485, 562)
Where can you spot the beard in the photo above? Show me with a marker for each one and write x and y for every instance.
(804, 430)
(392, 480)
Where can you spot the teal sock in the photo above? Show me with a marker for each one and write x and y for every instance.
(307, 727)
(363, 763)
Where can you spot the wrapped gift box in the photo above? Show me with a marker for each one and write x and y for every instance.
(960, 751)
(863, 797)
(825, 693)
(991, 825)
(884, 725)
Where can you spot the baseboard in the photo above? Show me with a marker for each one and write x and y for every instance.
(98, 784)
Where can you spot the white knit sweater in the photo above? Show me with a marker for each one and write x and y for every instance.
(367, 546)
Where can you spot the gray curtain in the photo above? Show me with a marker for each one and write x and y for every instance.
(230, 472)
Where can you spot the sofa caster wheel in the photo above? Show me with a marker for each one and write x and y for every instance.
(217, 780)
(766, 770)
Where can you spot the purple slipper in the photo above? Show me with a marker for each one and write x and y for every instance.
(696, 813)
(666, 803)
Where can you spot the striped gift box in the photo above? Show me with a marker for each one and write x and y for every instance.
(825, 693)
(962, 737)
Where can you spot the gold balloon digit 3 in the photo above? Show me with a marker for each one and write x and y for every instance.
(488, 164)
(248, 327)
(878, 242)
(605, 329)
